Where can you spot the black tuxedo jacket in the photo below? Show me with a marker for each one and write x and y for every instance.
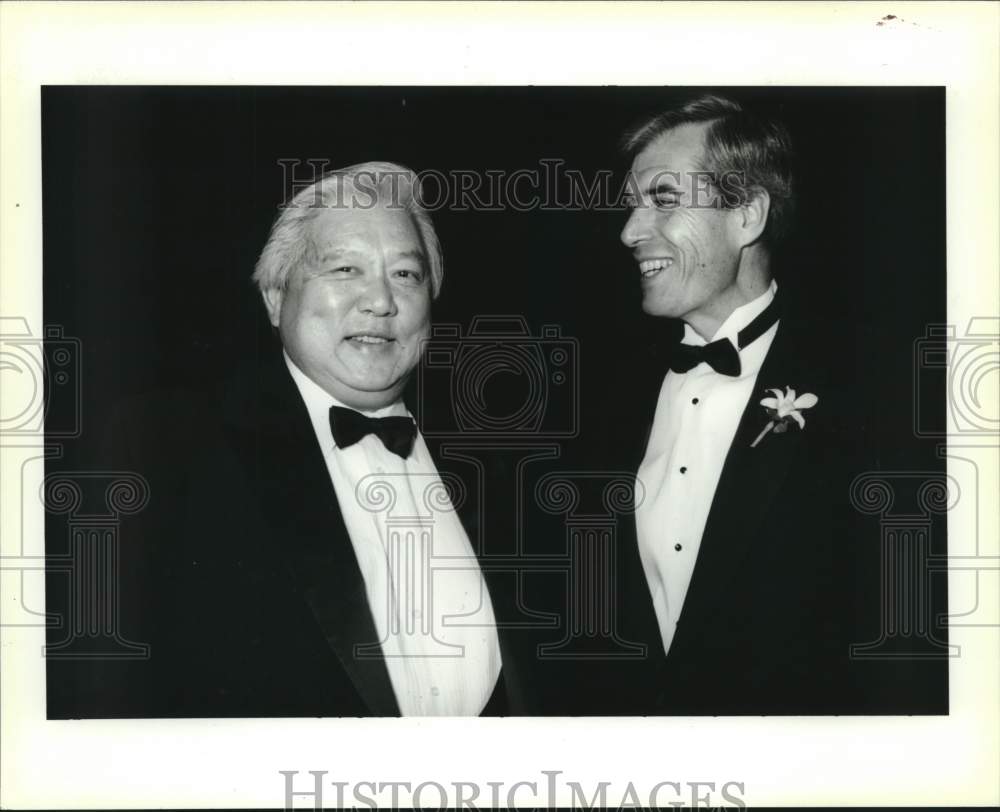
(241, 574)
(774, 602)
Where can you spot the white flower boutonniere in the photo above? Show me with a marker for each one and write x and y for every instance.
(782, 408)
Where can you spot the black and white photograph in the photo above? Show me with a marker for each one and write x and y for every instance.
(544, 412)
(650, 359)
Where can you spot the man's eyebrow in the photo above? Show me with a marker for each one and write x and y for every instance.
(339, 252)
(411, 253)
(663, 185)
(347, 251)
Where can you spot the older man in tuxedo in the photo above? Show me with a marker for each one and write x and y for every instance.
(743, 522)
(300, 519)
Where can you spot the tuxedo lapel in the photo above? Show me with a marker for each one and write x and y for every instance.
(750, 480)
(457, 477)
(275, 439)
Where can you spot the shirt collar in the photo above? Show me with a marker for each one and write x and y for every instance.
(738, 319)
(318, 402)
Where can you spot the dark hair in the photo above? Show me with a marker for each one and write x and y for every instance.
(750, 151)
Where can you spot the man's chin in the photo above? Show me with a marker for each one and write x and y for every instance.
(370, 393)
(657, 307)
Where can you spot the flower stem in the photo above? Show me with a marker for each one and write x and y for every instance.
(760, 436)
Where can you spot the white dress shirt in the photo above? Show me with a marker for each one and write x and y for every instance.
(425, 589)
(697, 415)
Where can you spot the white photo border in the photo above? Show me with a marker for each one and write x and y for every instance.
(948, 760)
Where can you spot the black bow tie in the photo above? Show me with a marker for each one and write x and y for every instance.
(396, 433)
(721, 355)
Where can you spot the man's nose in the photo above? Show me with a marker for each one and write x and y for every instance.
(636, 228)
(377, 298)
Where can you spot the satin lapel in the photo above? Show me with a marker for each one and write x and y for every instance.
(307, 529)
(459, 473)
(751, 478)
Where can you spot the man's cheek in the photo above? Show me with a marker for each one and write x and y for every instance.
(684, 220)
(689, 256)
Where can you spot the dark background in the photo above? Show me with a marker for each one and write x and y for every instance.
(158, 200)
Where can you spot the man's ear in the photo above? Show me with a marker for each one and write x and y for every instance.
(753, 216)
(272, 301)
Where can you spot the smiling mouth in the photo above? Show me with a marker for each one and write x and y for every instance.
(649, 268)
(370, 338)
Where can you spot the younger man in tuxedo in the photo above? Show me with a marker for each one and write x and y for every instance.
(742, 510)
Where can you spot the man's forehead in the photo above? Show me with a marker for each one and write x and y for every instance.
(356, 228)
(674, 152)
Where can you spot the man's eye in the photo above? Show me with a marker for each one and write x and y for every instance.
(408, 275)
(342, 269)
(667, 201)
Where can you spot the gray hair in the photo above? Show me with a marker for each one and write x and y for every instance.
(367, 184)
